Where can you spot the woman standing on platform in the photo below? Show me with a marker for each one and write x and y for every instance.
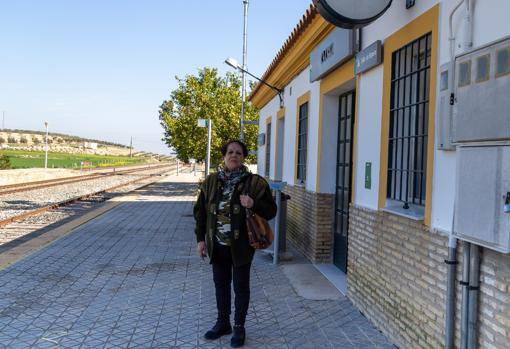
(221, 233)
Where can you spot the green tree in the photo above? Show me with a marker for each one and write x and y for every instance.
(206, 96)
(5, 163)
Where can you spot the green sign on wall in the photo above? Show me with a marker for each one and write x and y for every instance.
(368, 175)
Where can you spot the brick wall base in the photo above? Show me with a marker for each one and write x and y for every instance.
(397, 278)
(310, 223)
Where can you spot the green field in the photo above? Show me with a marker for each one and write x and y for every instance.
(31, 159)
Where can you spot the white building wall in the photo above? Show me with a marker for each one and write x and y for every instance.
(368, 142)
(330, 105)
(269, 110)
(300, 85)
(395, 18)
(296, 88)
(313, 134)
(370, 92)
(490, 24)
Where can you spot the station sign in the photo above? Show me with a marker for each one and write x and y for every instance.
(334, 50)
(368, 58)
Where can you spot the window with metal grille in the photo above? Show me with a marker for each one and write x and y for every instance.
(268, 149)
(409, 110)
(302, 142)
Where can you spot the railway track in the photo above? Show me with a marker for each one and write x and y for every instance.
(35, 217)
(19, 187)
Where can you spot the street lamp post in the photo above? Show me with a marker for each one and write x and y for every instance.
(46, 146)
(243, 77)
(208, 158)
(234, 64)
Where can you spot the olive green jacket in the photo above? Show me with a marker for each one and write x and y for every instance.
(206, 207)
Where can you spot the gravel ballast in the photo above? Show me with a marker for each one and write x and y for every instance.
(17, 203)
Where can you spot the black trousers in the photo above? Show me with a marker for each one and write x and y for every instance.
(223, 273)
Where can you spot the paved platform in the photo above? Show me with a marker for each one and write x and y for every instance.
(131, 278)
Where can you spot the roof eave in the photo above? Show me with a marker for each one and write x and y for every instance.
(293, 57)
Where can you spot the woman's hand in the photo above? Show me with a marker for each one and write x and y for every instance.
(246, 201)
(201, 249)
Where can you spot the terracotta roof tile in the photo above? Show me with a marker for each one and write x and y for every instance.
(307, 18)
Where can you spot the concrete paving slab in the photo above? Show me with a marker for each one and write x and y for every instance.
(334, 275)
(130, 278)
(309, 283)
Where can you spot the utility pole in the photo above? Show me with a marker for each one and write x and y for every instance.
(46, 146)
(208, 158)
(3, 120)
(131, 147)
(207, 123)
(243, 75)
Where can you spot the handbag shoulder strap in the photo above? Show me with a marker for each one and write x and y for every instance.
(246, 191)
(247, 184)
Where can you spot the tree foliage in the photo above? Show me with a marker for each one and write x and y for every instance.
(5, 162)
(206, 96)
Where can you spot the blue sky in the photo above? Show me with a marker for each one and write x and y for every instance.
(101, 68)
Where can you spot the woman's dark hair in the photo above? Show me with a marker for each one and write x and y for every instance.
(224, 147)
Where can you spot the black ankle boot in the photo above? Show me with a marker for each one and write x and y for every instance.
(219, 329)
(238, 337)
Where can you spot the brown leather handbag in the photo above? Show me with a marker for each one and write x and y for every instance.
(260, 234)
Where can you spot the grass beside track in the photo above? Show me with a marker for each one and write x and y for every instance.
(34, 159)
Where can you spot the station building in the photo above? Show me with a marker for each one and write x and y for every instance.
(362, 136)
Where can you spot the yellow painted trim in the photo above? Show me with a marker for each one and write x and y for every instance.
(338, 77)
(305, 97)
(335, 79)
(268, 141)
(427, 22)
(280, 114)
(294, 61)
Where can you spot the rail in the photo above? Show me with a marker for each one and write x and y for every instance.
(20, 187)
(52, 206)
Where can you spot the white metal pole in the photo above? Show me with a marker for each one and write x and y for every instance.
(208, 158)
(46, 146)
(243, 75)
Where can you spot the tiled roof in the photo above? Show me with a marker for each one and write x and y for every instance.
(307, 18)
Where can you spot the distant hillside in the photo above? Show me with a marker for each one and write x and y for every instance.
(64, 137)
(27, 140)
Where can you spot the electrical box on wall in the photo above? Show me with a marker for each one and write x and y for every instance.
(482, 103)
(444, 123)
(483, 195)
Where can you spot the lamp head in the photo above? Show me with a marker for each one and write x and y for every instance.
(233, 63)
